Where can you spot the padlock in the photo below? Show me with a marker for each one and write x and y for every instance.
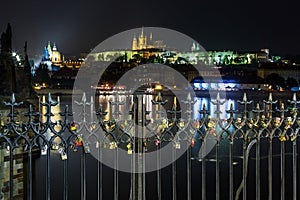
(177, 145)
(286, 127)
(7, 149)
(79, 141)
(64, 156)
(74, 147)
(55, 147)
(87, 149)
(293, 138)
(196, 124)
(92, 127)
(181, 124)
(277, 121)
(192, 131)
(73, 126)
(283, 138)
(145, 145)
(44, 150)
(112, 145)
(60, 150)
(193, 143)
(129, 150)
(157, 142)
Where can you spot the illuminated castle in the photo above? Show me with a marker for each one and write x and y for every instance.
(142, 43)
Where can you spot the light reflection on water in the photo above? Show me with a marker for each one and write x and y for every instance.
(106, 106)
(104, 102)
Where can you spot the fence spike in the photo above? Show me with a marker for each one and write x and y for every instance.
(270, 97)
(12, 98)
(245, 97)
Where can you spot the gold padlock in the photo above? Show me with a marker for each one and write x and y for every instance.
(129, 151)
(282, 138)
(177, 145)
(64, 156)
(293, 138)
(181, 124)
(112, 145)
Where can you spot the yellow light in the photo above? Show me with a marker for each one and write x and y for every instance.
(158, 87)
(37, 87)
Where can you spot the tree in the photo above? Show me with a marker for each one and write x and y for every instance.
(275, 80)
(291, 82)
(41, 75)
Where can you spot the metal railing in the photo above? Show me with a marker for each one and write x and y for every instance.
(269, 123)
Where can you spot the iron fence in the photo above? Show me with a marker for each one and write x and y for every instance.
(269, 123)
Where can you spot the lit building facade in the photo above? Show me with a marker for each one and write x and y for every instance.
(55, 60)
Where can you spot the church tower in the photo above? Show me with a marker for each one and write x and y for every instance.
(134, 43)
(142, 40)
(49, 50)
(56, 57)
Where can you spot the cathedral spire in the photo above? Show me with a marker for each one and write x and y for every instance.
(134, 43)
(54, 47)
(49, 46)
(142, 32)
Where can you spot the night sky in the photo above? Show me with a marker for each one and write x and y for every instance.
(78, 26)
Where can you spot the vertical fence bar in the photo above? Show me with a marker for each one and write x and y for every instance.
(231, 170)
(174, 181)
(83, 175)
(295, 169)
(203, 172)
(282, 173)
(66, 175)
(11, 172)
(258, 169)
(270, 162)
(158, 174)
(218, 170)
(116, 175)
(137, 179)
(144, 172)
(99, 165)
(189, 188)
(29, 186)
(244, 170)
(133, 182)
(48, 176)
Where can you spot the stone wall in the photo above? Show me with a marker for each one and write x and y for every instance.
(18, 176)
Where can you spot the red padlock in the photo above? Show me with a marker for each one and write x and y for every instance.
(157, 142)
(193, 143)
